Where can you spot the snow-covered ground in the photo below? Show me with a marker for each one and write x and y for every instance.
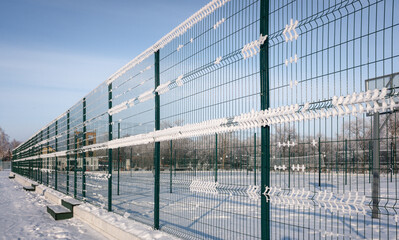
(197, 207)
(23, 215)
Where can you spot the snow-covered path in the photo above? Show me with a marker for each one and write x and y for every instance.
(23, 215)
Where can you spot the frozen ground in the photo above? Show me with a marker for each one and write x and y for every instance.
(193, 205)
(338, 209)
(23, 215)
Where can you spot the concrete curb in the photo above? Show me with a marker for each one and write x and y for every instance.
(110, 230)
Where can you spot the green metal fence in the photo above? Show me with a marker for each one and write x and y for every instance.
(252, 119)
(5, 165)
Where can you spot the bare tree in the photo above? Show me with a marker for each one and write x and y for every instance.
(4, 143)
(6, 146)
(14, 143)
(359, 130)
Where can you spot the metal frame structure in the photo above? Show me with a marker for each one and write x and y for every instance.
(250, 120)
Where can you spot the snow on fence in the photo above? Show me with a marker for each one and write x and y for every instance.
(251, 119)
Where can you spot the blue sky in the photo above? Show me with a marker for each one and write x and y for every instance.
(52, 53)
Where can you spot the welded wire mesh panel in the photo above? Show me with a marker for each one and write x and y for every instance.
(132, 99)
(132, 114)
(97, 116)
(62, 166)
(77, 174)
(75, 143)
(318, 50)
(95, 131)
(62, 127)
(207, 74)
(97, 177)
(206, 184)
(51, 172)
(133, 182)
(324, 81)
(204, 179)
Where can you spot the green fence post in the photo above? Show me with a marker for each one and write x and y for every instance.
(37, 169)
(248, 161)
(131, 161)
(319, 164)
(48, 161)
(41, 168)
(370, 160)
(28, 164)
(175, 161)
(346, 162)
(75, 178)
(289, 163)
(67, 156)
(265, 131)
(39, 177)
(84, 152)
(40, 159)
(392, 161)
(216, 157)
(119, 131)
(336, 163)
(29, 169)
(195, 162)
(157, 145)
(376, 188)
(110, 149)
(255, 159)
(56, 158)
(170, 167)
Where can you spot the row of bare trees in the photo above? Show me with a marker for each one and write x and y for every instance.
(237, 150)
(241, 150)
(6, 146)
